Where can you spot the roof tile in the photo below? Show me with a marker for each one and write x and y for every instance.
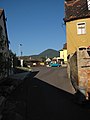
(75, 9)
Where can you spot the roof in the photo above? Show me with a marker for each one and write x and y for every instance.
(48, 60)
(1, 10)
(65, 46)
(76, 9)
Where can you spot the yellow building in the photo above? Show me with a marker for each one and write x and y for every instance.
(63, 53)
(77, 20)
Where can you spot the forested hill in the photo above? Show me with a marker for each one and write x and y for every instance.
(49, 53)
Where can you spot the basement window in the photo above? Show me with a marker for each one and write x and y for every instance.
(81, 28)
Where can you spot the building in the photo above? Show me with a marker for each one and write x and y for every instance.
(4, 47)
(63, 53)
(77, 20)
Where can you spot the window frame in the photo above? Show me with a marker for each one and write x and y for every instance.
(88, 4)
(81, 28)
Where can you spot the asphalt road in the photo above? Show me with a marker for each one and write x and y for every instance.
(47, 96)
(56, 76)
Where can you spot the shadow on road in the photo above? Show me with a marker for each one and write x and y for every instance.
(37, 100)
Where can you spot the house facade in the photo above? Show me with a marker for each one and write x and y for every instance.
(63, 53)
(77, 20)
(4, 47)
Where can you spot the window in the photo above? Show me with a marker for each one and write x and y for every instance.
(88, 3)
(81, 28)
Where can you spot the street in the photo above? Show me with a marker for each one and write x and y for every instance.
(47, 96)
(56, 76)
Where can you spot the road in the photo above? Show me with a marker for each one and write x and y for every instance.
(56, 76)
(47, 96)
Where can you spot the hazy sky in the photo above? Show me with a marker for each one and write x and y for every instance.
(36, 24)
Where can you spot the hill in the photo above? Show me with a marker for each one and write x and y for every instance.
(49, 53)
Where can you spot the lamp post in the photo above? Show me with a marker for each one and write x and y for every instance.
(20, 51)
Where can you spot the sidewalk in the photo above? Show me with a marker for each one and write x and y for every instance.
(20, 76)
(9, 86)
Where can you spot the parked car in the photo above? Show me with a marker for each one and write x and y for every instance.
(54, 64)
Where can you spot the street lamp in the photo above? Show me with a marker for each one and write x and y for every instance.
(20, 51)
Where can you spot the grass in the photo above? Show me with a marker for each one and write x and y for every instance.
(24, 68)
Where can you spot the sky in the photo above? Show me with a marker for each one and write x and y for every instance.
(34, 25)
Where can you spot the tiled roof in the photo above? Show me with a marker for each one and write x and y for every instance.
(75, 9)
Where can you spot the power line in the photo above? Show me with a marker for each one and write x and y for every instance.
(62, 25)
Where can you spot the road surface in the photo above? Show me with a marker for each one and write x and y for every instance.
(47, 96)
(56, 76)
